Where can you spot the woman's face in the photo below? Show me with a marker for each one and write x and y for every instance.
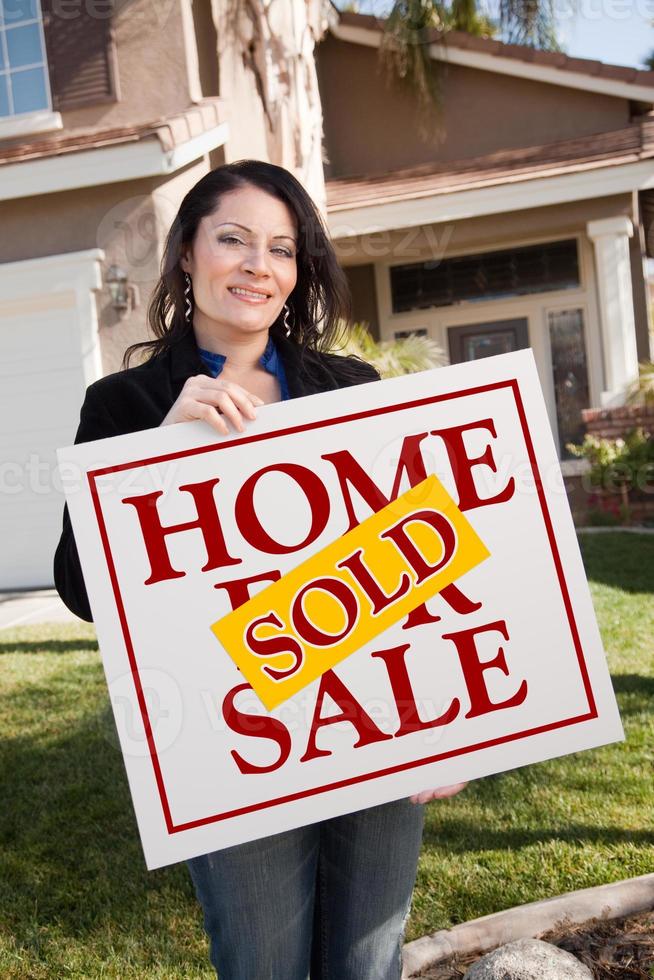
(248, 242)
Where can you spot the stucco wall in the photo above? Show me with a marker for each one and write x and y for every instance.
(152, 68)
(68, 221)
(270, 90)
(371, 129)
(128, 220)
(135, 240)
(489, 231)
(361, 279)
(249, 133)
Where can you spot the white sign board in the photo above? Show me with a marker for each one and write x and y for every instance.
(501, 669)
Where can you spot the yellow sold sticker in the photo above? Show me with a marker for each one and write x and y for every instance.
(341, 598)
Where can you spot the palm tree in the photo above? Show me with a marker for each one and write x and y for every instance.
(391, 357)
(246, 26)
(409, 28)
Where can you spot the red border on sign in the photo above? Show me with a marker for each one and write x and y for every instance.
(202, 821)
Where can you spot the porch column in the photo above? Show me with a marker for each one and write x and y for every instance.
(610, 238)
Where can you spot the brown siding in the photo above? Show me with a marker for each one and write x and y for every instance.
(371, 129)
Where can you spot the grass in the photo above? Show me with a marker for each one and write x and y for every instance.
(76, 900)
(574, 822)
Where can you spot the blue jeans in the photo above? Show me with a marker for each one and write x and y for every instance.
(329, 900)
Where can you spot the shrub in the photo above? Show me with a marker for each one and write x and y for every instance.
(393, 357)
(618, 465)
(641, 391)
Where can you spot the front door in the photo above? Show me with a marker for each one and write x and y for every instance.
(476, 340)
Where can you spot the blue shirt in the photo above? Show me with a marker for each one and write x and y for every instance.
(270, 360)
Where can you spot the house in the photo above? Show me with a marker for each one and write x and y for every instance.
(527, 225)
(524, 221)
(109, 113)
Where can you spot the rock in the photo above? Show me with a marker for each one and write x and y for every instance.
(528, 959)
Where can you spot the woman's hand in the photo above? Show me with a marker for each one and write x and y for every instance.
(214, 401)
(438, 794)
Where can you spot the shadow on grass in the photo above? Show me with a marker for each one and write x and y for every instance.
(639, 692)
(70, 855)
(623, 561)
(47, 646)
(461, 836)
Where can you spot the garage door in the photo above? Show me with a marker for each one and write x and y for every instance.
(42, 384)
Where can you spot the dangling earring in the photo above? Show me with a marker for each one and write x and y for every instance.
(189, 306)
(287, 326)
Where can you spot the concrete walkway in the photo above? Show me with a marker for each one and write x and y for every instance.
(37, 606)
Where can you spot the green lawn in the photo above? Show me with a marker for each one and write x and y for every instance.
(76, 901)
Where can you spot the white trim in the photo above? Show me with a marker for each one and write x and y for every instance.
(517, 194)
(508, 66)
(77, 265)
(620, 224)
(610, 238)
(195, 148)
(41, 121)
(104, 165)
(78, 273)
(44, 49)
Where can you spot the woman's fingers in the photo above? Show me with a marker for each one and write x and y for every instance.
(230, 398)
(443, 793)
(209, 414)
(216, 402)
(203, 381)
(244, 400)
(224, 403)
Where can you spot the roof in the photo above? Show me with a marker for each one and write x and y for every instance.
(633, 143)
(171, 131)
(461, 41)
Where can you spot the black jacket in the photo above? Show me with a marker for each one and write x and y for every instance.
(140, 398)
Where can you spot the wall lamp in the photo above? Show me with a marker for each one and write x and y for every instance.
(124, 295)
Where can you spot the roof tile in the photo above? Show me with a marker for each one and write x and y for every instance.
(630, 144)
(521, 52)
(170, 132)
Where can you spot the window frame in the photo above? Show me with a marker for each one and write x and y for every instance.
(43, 119)
(549, 314)
(489, 251)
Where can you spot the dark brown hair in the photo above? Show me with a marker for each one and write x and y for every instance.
(320, 301)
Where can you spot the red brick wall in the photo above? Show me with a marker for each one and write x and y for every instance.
(612, 423)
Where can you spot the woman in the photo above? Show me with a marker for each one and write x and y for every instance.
(245, 313)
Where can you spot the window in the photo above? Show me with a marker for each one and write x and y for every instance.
(24, 83)
(487, 275)
(570, 372)
(476, 340)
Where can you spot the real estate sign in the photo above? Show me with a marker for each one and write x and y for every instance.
(368, 593)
